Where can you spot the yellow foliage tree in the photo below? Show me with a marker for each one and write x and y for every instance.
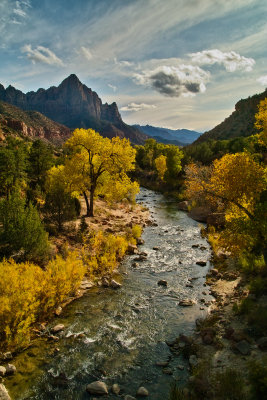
(236, 181)
(98, 164)
(161, 166)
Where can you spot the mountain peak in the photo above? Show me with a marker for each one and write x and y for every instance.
(72, 80)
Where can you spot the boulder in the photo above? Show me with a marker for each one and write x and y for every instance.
(128, 397)
(58, 311)
(183, 205)
(2, 370)
(10, 369)
(58, 328)
(201, 263)
(132, 249)
(162, 282)
(216, 219)
(4, 393)
(186, 303)
(199, 214)
(115, 389)
(242, 347)
(262, 343)
(114, 284)
(162, 363)
(142, 392)
(97, 387)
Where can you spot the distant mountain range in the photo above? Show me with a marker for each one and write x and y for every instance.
(74, 105)
(30, 124)
(179, 137)
(239, 123)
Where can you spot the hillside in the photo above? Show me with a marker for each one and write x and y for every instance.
(180, 137)
(239, 123)
(30, 124)
(75, 105)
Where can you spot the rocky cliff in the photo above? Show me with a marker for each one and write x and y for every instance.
(239, 123)
(30, 124)
(75, 105)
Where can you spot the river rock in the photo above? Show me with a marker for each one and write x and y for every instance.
(10, 369)
(128, 397)
(183, 205)
(262, 343)
(105, 282)
(115, 389)
(201, 263)
(155, 248)
(162, 363)
(193, 360)
(114, 284)
(140, 241)
(242, 347)
(7, 356)
(58, 311)
(167, 371)
(58, 328)
(97, 387)
(4, 393)
(216, 219)
(162, 282)
(199, 214)
(186, 303)
(142, 392)
(132, 249)
(2, 370)
(53, 337)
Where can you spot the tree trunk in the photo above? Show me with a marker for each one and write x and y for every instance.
(92, 192)
(87, 204)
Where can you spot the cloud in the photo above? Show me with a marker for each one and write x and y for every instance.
(137, 107)
(86, 53)
(19, 12)
(42, 55)
(182, 80)
(232, 61)
(262, 80)
(113, 87)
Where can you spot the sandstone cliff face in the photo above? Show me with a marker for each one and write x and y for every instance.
(30, 124)
(74, 105)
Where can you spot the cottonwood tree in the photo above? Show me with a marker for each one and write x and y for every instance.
(98, 165)
(161, 166)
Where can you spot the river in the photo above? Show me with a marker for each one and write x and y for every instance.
(125, 330)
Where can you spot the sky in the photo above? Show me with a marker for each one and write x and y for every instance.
(168, 63)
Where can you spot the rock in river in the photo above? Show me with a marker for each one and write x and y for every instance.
(186, 303)
(58, 328)
(97, 387)
(2, 370)
(142, 392)
(4, 393)
(201, 263)
(242, 347)
(128, 397)
(115, 389)
(10, 369)
(114, 284)
(162, 282)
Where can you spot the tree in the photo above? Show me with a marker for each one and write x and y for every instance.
(40, 161)
(97, 164)
(161, 166)
(21, 233)
(237, 183)
(59, 204)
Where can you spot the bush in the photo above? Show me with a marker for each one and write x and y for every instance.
(229, 385)
(28, 293)
(258, 379)
(136, 231)
(102, 253)
(22, 233)
(176, 393)
(258, 286)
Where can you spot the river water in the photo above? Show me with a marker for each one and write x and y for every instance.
(125, 330)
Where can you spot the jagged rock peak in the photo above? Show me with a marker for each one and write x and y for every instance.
(72, 79)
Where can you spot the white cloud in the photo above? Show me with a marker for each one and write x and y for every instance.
(137, 107)
(41, 54)
(19, 12)
(182, 80)
(262, 80)
(113, 87)
(86, 53)
(232, 61)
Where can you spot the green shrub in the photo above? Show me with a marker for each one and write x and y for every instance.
(228, 384)
(258, 379)
(258, 286)
(245, 307)
(257, 319)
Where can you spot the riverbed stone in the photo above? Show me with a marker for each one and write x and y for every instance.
(262, 343)
(7, 356)
(186, 303)
(183, 205)
(201, 263)
(97, 387)
(10, 369)
(2, 370)
(162, 282)
(114, 284)
(142, 392)
(243, 347)
(162, 363)
(115, 389)
(58, 328)
(132, 248)
(128, 397)
(58, 311)
(167, 371)
(4, 393)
